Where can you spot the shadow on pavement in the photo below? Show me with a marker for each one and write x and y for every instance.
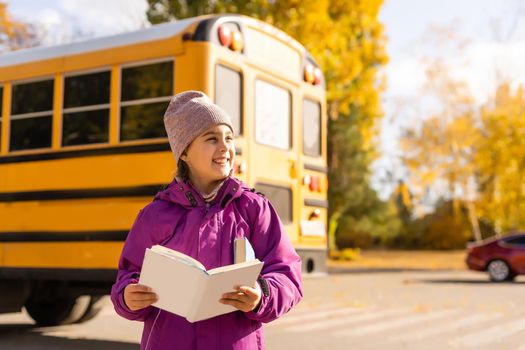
(465, 281)
(29, 337)
(344, 270)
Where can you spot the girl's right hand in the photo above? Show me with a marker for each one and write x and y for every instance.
(138, 296)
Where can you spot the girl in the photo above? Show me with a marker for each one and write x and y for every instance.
(200, 214)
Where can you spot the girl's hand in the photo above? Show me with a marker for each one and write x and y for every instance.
(138, 296)
(245, 298)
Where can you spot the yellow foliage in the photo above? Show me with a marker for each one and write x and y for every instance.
(500, 159)
(486, 147)
(346, 254)
(15, 35)
(344, 36)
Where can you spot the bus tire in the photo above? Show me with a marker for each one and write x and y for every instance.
(60, 311)
(95, 305)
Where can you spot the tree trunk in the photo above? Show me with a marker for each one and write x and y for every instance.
(473, 218)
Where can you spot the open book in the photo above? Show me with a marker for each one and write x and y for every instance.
(185, 287)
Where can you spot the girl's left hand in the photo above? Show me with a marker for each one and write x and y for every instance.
(245, 298)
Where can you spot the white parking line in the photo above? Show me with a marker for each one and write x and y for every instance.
(307, 309)
(435, 330)
(337, 311)
(396, 323)
(490, 335)
(324, 323)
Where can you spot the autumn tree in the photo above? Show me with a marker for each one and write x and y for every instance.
(14, 35)
(500, 159)
(476, 153)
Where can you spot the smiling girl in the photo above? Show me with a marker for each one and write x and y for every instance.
(201, 212)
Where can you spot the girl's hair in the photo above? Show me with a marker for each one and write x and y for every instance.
(183, 171)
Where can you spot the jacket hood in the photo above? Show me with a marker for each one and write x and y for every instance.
(188, 196)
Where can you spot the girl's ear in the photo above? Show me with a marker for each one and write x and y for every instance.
(184, 155)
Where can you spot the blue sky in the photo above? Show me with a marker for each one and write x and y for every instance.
(65, 20)
(494, 31)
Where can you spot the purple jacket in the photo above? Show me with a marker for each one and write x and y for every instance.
(179, 218)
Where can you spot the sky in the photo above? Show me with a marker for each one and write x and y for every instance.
(493, 30)
(492, 34)
(67, 20)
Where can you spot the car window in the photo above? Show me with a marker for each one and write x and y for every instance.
(516, 241)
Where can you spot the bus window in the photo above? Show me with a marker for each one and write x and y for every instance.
(281, 199)
(145, 94)
(311, 128)
(31, 115)
(228, 94)
(86, 109)
(272, 115)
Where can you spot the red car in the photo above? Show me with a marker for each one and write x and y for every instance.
(503, 258)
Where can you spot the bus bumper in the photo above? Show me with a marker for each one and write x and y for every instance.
(313, 261)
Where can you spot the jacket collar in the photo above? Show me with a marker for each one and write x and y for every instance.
(188, 196)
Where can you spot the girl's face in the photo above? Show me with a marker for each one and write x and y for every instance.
(210, 156)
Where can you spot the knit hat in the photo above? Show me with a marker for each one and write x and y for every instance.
(188, 115)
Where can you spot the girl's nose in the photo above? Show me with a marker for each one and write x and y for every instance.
(224, 145)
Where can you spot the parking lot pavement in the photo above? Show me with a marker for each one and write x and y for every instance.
(360, 310)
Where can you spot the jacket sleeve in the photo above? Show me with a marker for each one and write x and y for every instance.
(282, 266)
(130, 264)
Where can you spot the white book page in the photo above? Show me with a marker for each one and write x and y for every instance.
(176, 283)
(231, 267)
(173, 254)
(219, 283)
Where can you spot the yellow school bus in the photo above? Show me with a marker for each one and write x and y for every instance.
(83, 148)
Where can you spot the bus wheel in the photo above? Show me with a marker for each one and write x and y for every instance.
(61, 311)
(95, 305)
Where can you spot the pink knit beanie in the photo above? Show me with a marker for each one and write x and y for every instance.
(189, 114)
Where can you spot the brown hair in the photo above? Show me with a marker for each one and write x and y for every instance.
(183, 171)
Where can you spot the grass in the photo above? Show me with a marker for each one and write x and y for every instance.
(396, 259)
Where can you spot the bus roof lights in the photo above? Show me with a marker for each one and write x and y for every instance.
(237, 42)
(318, 76)
(225, 36)
(309, 73)
(230, 38)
